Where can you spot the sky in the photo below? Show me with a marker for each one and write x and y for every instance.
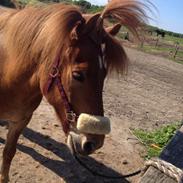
(168, 17)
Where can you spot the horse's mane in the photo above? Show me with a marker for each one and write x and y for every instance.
(5, 14)
(36, 34)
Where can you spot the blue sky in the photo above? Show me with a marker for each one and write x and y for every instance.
(169, 16)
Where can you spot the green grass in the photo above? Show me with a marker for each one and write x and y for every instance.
(155, 50)
(165, 48)
(152, 48)
(173, 39)
(180, 54)
(163, 51)
(156, 140)
(158, 50)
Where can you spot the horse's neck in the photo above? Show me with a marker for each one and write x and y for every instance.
(5, 13)
(19, 82)
(2, 53)
(14, 72)
(19, 89)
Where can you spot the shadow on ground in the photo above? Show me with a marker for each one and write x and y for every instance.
(68, 168)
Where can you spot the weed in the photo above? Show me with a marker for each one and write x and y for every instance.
(156, 140)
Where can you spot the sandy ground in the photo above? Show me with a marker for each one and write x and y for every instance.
(150, 96)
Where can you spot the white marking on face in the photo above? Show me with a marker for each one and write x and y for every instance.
(101, 58)
(100, 62)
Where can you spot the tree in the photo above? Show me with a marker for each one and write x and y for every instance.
(7, 3)
(85, 5)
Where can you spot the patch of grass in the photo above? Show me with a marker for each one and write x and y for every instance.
(152, 48)
(163, 51)
(165, 47)
(180, 54)
(156, 140)
(173, 39)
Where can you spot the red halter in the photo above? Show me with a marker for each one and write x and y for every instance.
(55, 78)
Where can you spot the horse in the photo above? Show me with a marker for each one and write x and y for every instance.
(160, 32)
(57, 52)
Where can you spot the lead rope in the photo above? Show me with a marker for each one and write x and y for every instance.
(105, 176)
(165, 167)
(102, 175)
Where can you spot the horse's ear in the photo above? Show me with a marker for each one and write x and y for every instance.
(114, 29)
(75, 33)
(91, 23)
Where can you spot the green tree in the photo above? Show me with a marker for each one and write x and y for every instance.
(6, 3)
(85, 5)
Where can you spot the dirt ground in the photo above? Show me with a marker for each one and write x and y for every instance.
(150, 96)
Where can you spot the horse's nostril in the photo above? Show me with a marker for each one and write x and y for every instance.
(88, 147)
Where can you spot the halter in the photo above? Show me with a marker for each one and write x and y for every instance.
(55, 78)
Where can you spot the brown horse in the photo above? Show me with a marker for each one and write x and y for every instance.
(56, 52)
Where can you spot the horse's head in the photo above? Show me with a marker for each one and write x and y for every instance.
(76, 77)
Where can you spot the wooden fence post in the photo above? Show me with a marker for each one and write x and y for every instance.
(157, 41)
(176, 50)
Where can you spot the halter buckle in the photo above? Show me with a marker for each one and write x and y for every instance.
(71, 116)
(54, 72)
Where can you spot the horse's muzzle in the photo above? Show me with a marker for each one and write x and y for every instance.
(91, 131)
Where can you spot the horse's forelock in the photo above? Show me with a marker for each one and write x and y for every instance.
(115, 56)
(129, 13)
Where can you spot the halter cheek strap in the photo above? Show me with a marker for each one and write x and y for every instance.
(55, 78)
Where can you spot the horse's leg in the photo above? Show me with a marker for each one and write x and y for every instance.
(15, 129)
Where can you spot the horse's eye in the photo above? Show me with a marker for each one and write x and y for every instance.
(78, 76)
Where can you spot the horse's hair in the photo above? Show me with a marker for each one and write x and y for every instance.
(129, 13)
(37, 34)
